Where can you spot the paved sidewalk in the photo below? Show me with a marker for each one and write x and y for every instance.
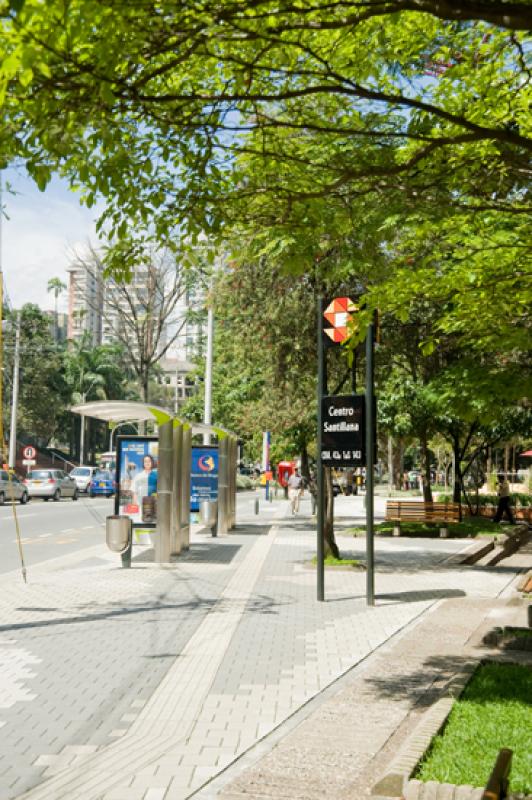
(147, 683)
(340, 747)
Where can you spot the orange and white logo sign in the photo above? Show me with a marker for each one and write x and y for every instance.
(339, 313)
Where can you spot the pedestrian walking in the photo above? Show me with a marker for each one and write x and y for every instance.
(295, 490)
(504, 504)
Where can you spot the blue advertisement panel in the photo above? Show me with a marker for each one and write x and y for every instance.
(203, 475)
(136, 479)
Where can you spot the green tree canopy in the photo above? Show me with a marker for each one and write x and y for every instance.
(151, 105)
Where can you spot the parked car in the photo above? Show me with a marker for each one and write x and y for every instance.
(12, 487)
(102, 483)
(51, 483)
(83, 476)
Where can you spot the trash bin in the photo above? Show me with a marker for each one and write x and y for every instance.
(119, 536)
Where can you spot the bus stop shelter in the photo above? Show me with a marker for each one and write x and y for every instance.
(175, 436)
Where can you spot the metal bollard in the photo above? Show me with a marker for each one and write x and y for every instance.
(256, 505)
(126, 555)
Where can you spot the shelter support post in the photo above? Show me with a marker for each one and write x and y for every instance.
(175, 548)
(164, 493)
(223, 473)
(232, 481)
(184, 506)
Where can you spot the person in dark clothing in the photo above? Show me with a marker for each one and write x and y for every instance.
(504, 505)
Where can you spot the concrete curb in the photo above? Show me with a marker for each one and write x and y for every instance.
(512, 544)
(394, 782)
(432, 790)
(469, 554)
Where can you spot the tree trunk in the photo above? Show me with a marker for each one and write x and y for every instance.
(390, 465)
(457, 485)
(144, 397)
(398, 465)
(425, 458)
(329, 542)
(305, 470)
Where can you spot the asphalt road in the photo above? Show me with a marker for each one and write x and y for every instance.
(49, 530)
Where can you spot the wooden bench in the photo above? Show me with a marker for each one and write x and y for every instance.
(441, 514)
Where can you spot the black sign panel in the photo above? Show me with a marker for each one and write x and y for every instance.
(343, 433)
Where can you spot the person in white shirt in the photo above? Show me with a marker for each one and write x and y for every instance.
(295, 490)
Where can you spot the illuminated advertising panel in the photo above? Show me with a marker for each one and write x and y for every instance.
(136, 479)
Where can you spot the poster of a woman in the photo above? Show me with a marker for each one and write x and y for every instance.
(144, 485)
(138, 479)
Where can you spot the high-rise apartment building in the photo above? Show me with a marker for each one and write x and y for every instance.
(85, 302)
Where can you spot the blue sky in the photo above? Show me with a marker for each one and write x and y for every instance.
(38, 238)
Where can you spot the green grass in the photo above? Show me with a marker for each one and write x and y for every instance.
(331, 561)
(494, 711)
(518, 633)
(469, 527)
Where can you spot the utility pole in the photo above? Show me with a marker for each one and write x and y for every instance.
(82, 436)
(2, 454)
(14, 399)
(370, 464)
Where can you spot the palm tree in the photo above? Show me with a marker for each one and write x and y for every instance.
(56, 286)
(93, 373)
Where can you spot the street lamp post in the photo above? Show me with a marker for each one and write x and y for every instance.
(83, 396)
(120, 425)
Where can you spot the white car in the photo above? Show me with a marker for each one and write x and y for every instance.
(51, 484)
(83, 476)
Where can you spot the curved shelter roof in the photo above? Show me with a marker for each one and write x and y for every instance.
(128, 411)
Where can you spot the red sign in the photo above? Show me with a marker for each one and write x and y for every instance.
(339, 314)
(29, 452)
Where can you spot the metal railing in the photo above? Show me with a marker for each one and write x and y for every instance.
(54, 455)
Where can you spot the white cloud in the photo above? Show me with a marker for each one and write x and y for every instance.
(38, 238)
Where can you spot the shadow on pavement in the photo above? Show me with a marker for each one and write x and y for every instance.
(252, 529)
(260, 604)
(209, 553)
(399, 598)
(107, 614)
(421, 686)
(422, 595)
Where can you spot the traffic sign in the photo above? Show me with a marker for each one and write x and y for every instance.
(343, 430)
(29, 452)
(28, 462)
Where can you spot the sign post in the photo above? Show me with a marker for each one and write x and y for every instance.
(337, 315)
(346, 429)
(320, 506)
(29, 454)
(370, 459)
